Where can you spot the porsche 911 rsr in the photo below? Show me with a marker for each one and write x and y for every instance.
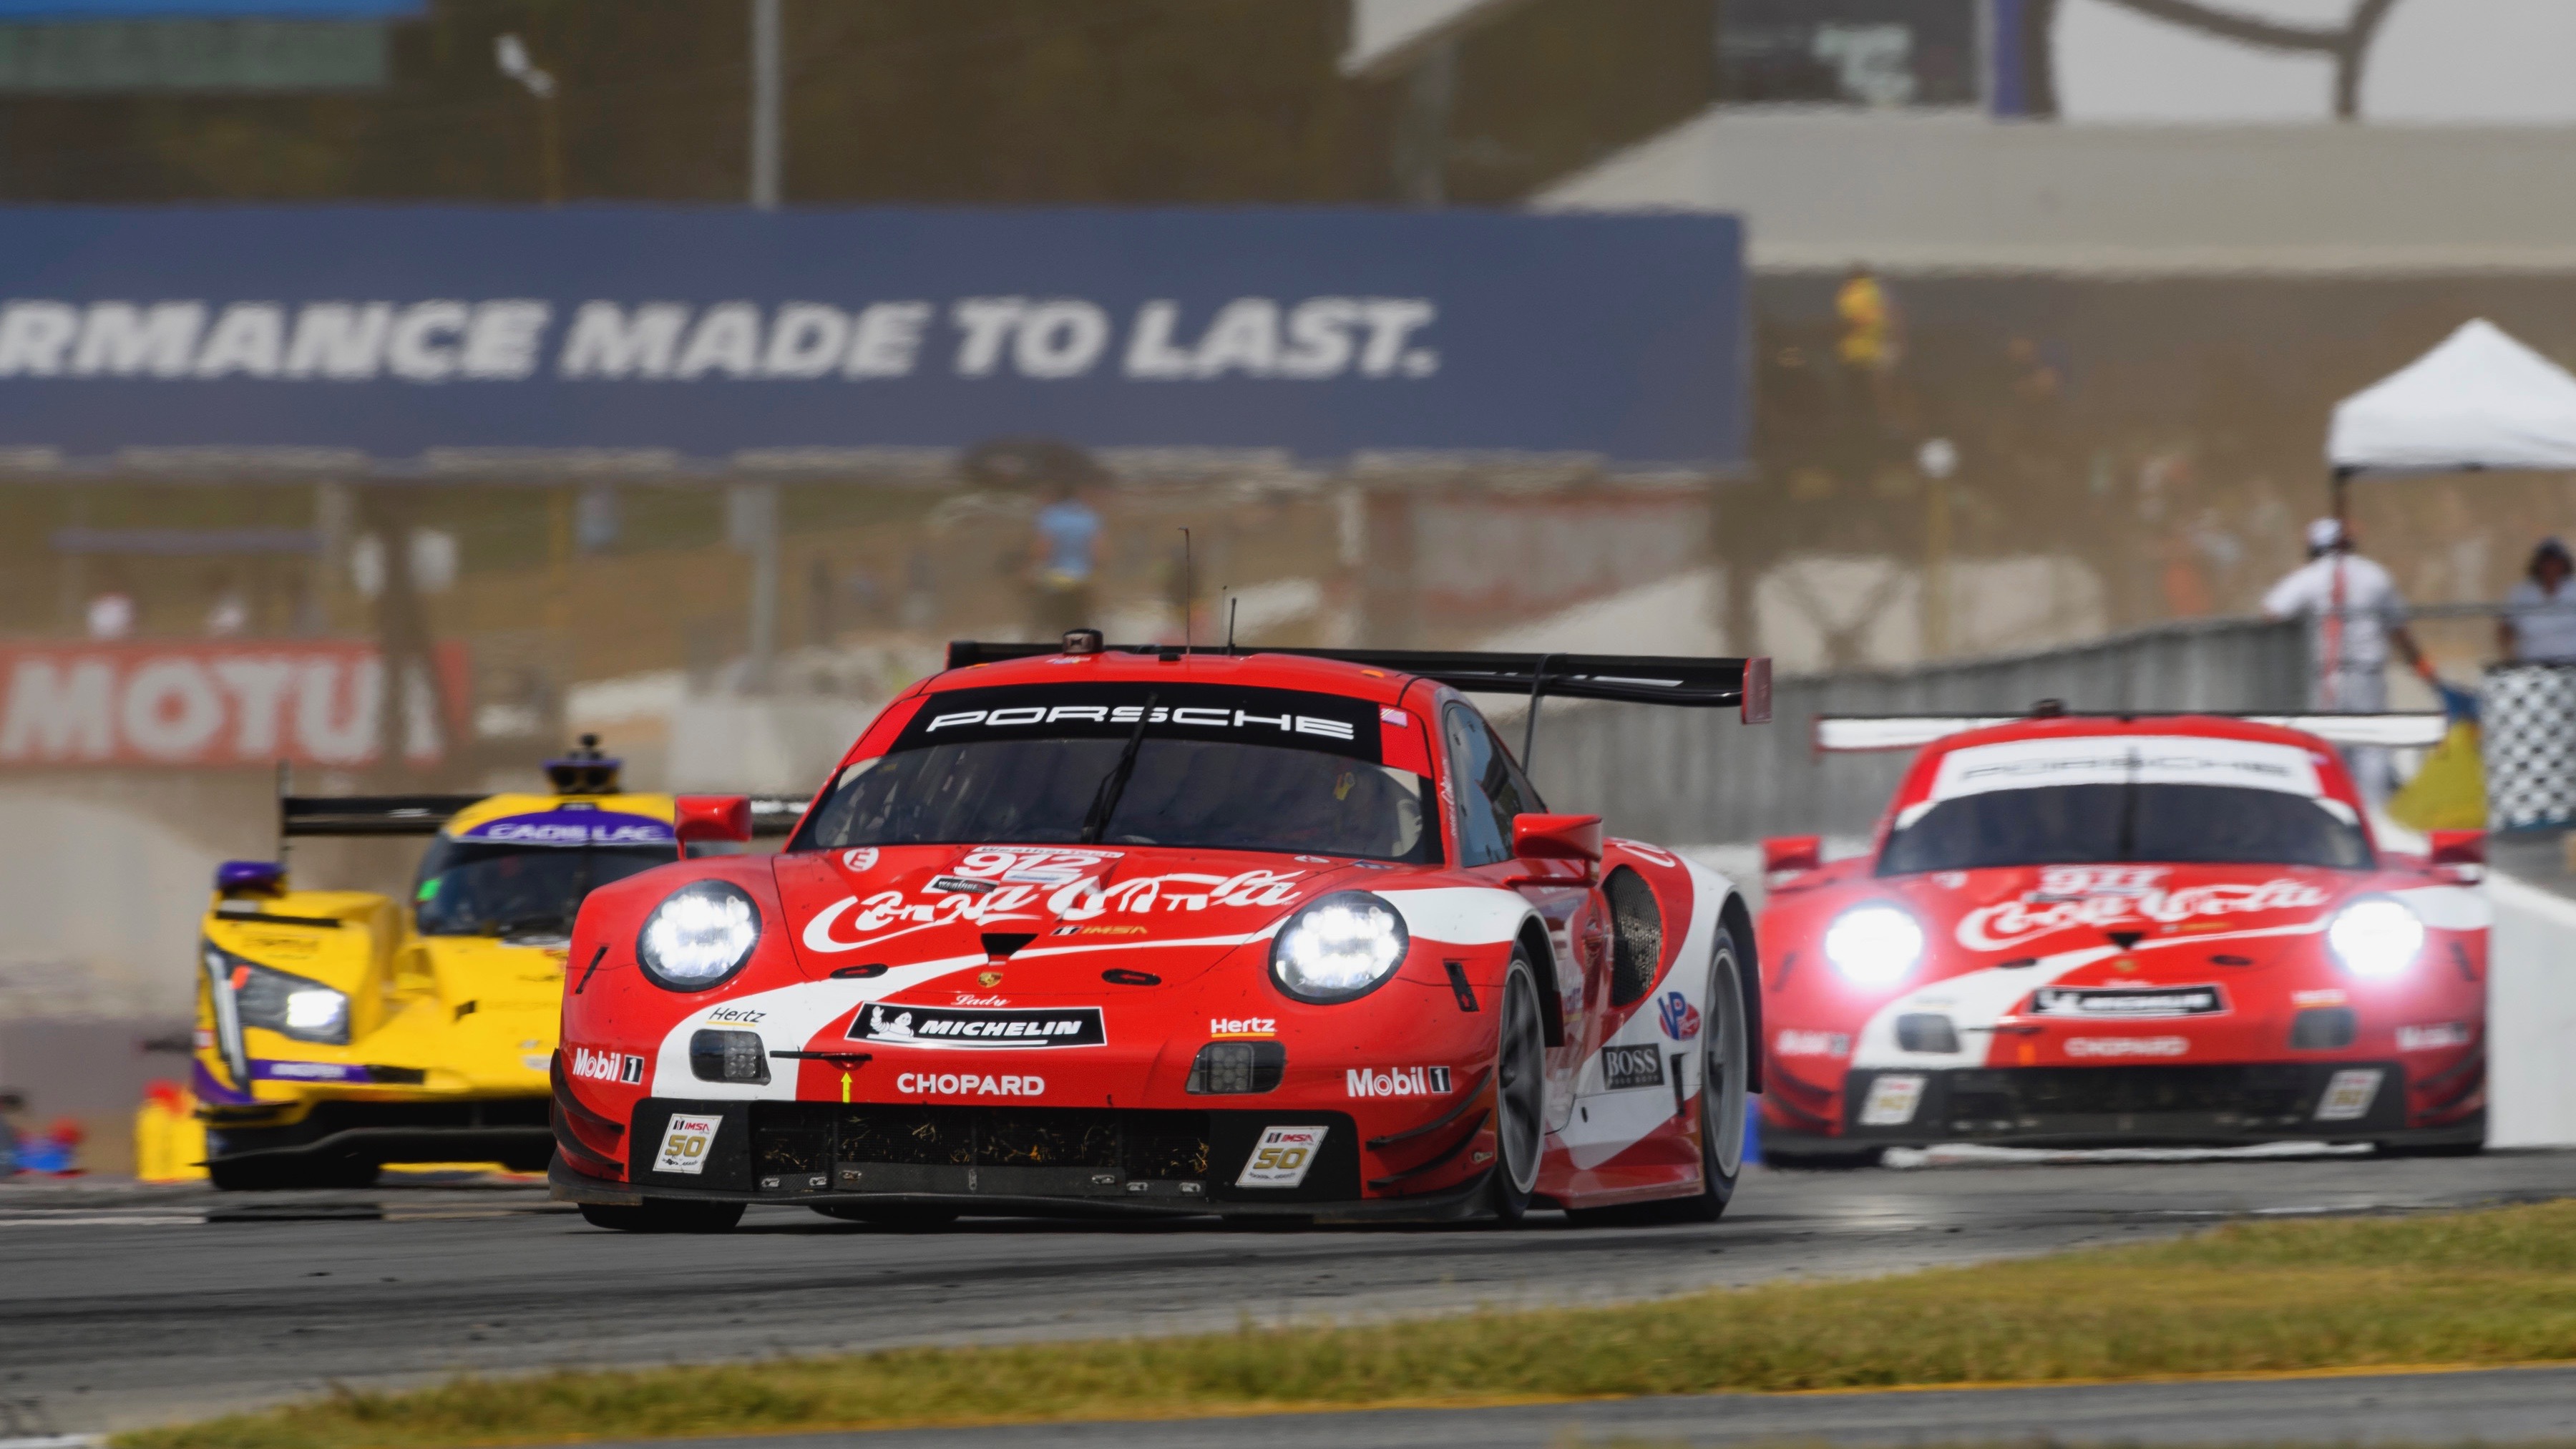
(2088, 931)
(1112, 931)
(341, 1031)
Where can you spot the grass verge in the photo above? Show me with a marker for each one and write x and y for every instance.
(2488, 1287)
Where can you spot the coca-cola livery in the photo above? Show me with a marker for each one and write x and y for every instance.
(1097, 930)
(2089, 930)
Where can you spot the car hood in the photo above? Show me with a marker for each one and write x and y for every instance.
(1171, 913)
(1980, 915)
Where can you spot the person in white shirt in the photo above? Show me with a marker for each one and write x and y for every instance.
(2539, 623)
(2354, 615)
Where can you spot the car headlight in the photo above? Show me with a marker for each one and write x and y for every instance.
(699, 935)
(1340, 946)
(2375, 937)
(1873, 945)
(278, 1001)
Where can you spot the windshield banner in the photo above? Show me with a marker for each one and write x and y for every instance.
(439, 339)
(309, 701)
(1330, 723)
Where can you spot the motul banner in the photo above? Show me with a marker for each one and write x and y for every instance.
(207, 704)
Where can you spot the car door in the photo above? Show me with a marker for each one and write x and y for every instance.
(1487, 790)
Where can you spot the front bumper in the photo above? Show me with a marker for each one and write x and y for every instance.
(2128, 1105)
(481, 1129)
(1071, 1161)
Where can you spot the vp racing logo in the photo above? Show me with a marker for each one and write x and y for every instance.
(952, 1027)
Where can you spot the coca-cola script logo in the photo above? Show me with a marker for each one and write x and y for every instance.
(2098, 897)
(876, 917)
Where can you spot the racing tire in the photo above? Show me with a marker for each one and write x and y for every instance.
(897, 1219)
(663, 1215)
(1725, 1070)
(1520, 1095)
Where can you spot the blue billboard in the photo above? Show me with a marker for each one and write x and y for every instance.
(706, 332)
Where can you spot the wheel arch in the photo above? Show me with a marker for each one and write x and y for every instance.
(1532, 939)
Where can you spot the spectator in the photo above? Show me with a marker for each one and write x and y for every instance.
(2354, 614)
(111, 613)
(1062, 559)
(228, 617)
(2539, 622)
(1872, 339)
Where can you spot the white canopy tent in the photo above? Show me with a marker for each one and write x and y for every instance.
(2478, 400)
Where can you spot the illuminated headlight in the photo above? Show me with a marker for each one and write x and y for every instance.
(318, 1010)
(2375, 937)
(1873, 945)
(1342, 946)
(698, 936)
(274, 1000)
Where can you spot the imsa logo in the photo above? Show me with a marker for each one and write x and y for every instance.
(1397, 1082)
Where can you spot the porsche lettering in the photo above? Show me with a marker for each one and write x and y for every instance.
(1188, 716)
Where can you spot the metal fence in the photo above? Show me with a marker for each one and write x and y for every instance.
(1691, 776)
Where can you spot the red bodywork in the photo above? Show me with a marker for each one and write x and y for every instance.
(862, 949)
(2093, 1004)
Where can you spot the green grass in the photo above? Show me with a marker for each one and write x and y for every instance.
(2488, 1287)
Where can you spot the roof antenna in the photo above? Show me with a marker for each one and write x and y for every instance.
(1232, 603)
(1189, 593)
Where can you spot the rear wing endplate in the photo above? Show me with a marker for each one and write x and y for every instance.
(1701, 683)
(1851, 732)
(345, 815)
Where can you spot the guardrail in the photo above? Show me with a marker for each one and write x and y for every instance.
(1688, 777)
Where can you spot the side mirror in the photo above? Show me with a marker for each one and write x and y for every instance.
(1557, 837)
(1789, 854)
(250, 878)
(2457, 847)
(711, 818)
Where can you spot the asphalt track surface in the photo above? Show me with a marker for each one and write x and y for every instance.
(123, 1307)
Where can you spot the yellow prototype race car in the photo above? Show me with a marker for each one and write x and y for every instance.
(341, 1031)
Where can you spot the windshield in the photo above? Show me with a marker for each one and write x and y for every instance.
(2082, 799)
(2089, 824)
(1216, 768)
(468, 888)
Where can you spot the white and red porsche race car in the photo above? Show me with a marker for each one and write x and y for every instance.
(1105, 930)
(2096, 930)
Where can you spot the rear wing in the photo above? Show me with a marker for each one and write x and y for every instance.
(1635, 678)
(1855, 732)
(301, 815)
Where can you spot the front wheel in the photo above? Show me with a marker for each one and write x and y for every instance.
(1520, 1095)
(663, 1215)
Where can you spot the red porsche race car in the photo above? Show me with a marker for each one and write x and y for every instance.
(1091, 930)
(2088, 931)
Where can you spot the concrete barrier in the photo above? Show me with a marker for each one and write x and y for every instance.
(2531, 1016)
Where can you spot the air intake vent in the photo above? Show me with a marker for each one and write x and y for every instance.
(1236, 1068)
(728, 1056)
(1926, 1031)
(2323, 1028)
